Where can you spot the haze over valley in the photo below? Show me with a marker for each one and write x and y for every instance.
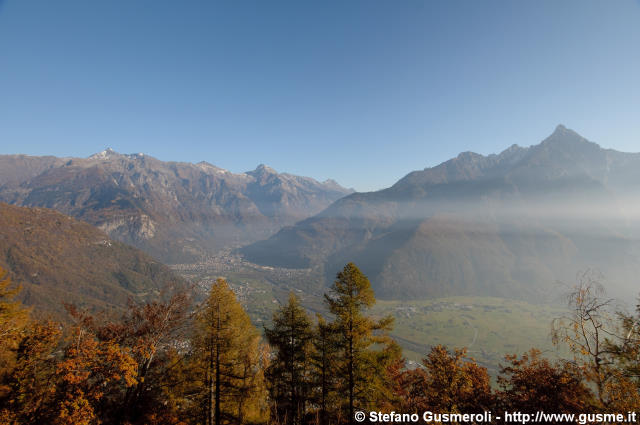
(509, 225)
(494, 236)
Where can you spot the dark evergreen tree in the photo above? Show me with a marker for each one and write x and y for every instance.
(324, 362)
(289, 374)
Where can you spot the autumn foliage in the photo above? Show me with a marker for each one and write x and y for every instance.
(173, 361)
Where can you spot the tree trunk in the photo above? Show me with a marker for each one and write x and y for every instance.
(217, 413)
(351, 378)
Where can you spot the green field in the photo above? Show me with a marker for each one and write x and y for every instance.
(488, 327)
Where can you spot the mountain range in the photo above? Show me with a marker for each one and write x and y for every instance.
(512, 224)
(175, 211)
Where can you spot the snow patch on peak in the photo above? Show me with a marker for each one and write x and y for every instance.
(109, 153)
(105, 154)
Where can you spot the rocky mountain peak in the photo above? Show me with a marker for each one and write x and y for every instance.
(108, 153)
(330, 183)
(469, 156)
(264, 169)
(560, 128)
(511, 149)
(564, 137)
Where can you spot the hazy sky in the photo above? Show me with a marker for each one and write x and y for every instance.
(359, 91)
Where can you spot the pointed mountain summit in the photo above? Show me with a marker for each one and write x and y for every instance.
(507, 224)
(566, 139)
(560, 130)
(262, 170)
(108, 153)
(562, 133)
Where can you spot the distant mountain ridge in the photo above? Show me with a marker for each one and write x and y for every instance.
(175, 211)
(563, 153)
(505, 225)
(57, 259)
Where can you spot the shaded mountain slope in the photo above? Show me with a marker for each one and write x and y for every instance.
(510, 224)
(58, 259)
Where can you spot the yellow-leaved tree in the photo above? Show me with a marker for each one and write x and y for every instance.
(227, 370)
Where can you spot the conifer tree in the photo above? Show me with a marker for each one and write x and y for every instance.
(289, 373)
(362, 370)
(227, 368)
(323, 362)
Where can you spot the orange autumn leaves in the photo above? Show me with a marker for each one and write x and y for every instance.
(88, 369)
(90, 372)
(171, 361)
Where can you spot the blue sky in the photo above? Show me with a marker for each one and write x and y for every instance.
(359, 91)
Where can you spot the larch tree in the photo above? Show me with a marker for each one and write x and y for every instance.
(226, 351)
(362, 370)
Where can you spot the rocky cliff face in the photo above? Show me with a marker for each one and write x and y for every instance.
(174, 211)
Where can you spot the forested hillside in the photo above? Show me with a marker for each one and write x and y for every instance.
(58, 259)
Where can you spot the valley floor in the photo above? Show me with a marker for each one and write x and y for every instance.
(488, 327)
